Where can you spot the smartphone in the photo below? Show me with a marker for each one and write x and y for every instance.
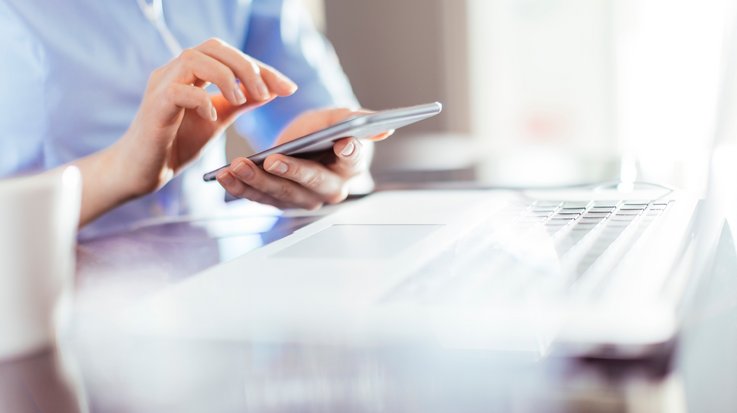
(359, 127)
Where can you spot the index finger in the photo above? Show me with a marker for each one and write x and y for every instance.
(259, 79)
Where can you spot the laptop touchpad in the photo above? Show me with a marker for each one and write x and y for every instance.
(358, 242)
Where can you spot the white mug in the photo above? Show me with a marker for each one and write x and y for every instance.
(39, 216)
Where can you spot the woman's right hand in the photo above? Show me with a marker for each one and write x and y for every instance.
(176, 119)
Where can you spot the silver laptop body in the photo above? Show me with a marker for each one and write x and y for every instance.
(585, 273)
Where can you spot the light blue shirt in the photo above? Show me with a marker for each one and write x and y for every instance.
(74, 72)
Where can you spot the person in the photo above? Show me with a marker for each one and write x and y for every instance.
(133, 93)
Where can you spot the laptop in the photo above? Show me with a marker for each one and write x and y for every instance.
(595, 272)
(585, 273)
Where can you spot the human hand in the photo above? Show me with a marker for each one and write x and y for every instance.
(289, 182)
(177, 116)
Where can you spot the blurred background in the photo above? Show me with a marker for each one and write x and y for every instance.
(539, 92)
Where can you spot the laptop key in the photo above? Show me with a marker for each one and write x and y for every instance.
(575, 204)
(561, 219)
(591, 220)
(623, 212)
(582, 227)
(604, 203)
(632, 207)
(600, 215)
(572, 210)
(626, 219)
(602, 209)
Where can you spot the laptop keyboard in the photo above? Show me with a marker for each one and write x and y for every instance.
(592, 226)
(588, 239)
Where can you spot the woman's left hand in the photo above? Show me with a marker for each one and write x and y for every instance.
(288, 182)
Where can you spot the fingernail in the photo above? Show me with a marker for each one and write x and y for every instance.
(239, 96)
(225, 178)
(349, 149)
(213, 113)
(242, 170)
(279, 167)
(263, 91)
(288, 84)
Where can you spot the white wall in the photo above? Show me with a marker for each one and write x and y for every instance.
(537, 82)
(542, 73)
(669, 60)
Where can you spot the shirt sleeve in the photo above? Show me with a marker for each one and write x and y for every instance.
(22, 101)
(281, 34)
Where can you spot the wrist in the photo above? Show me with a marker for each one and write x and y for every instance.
(124, 170)
(104, 183)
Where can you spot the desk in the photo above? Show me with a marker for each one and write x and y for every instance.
(102, 371)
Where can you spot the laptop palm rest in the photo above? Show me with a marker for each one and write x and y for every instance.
(351, 241)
